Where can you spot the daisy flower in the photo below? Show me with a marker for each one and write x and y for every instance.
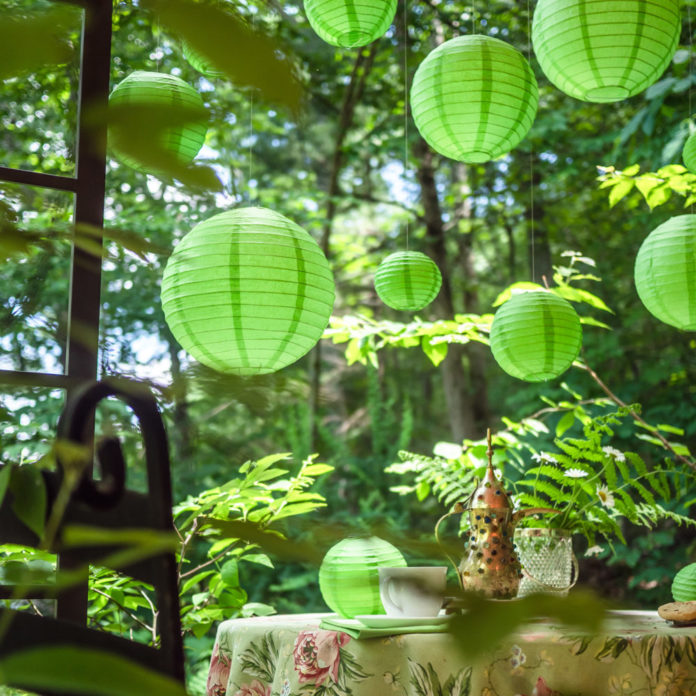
(594, 550)
(575, 473)
(544, 457)
(613, 452)
(605, 496)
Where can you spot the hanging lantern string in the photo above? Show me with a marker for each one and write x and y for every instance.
(406, 108)
(691, 51)
(473, 17)
(531, 148)
(251, 123)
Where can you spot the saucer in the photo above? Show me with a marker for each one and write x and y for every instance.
(384, 621)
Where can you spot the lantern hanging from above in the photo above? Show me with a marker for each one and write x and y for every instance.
(535, 335)
(200, 63)
(689, 153)
(601, 51)
(474, 98)
(144, 89)
(350, 23)
(665, 272)
(684, 584)
(407, 280)
(349, 575)
(247, 292)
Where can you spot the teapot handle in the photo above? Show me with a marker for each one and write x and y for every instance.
(458, 509)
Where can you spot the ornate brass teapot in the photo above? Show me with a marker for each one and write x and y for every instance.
(491, 566)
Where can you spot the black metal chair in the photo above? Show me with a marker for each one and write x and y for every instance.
(108, 504)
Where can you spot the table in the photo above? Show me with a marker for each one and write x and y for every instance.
(638, 655)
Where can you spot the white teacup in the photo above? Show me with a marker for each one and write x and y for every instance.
(417, 591)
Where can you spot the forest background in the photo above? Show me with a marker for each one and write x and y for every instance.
(348, 167)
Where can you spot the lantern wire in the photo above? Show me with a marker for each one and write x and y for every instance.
(691, 52)
(473, 17)
(406, 108)
(251, 122)
(531, 149)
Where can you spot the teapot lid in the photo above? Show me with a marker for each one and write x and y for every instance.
(490, 492)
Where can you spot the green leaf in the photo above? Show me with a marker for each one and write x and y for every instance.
(632, 170)
(230, 573)
(317, 469)
(646, 183)
(260, 558)
(436, 352)
(508, 292)
(622, 189)
(83, 671)
(591, 321)
(29, 497)
(565, 422)
(229, 45)
(5, 475)
(658, 196)
(578, 295)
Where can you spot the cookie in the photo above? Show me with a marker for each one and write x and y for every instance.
(679, 612)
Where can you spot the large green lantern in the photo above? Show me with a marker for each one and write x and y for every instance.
(689, 153)
(684, 584)
(536, 335)
(349, 575)
(601, 51)
(247, 292)
(665, 272)
(350, 23)
(474, 98)
(407, 280)
(142, 88)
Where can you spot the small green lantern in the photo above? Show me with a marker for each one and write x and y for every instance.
(350, 23)
(407, 280)
(536, 335)
(689, 153)
(474, 98)
(349, 575)
(665, 272)
(684, 584)
(600, 51)
(142, 88)
(247, 292)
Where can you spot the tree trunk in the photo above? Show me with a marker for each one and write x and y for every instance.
(459, 405)
(361, 69)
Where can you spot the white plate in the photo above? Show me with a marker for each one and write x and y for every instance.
(384, 621)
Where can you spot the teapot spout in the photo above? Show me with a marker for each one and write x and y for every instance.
(521, 514)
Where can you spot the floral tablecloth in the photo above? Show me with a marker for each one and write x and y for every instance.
(638, 655)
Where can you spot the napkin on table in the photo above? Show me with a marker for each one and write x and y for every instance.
(357, 630)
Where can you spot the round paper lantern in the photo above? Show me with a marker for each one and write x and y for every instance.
(684, 584)
(350, 23)
(247, 292)
(474, 98)
(689, 153)
(143, 88)
(349, 576)
(665, 272)
(535, 336)
(407, 280)
(601, 51)
(199, 62)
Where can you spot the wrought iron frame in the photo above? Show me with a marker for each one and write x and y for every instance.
(107, 502)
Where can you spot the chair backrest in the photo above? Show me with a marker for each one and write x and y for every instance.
(106, 503)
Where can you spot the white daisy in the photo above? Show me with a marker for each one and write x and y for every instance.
(613, 452)
(594, 550)
(575, 473)
(605, 496)
(544, 457)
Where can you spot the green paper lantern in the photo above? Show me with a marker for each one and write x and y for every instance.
(350, 23)
(535, 336)
(600, 51)
(200, 63)
(689, 153)
(684, 584)
(665, 272)
(247, 292)
(474, 98)
(407, 280)
(142, 88)
(349, 575)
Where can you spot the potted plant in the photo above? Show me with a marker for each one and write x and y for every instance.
(595, 487)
